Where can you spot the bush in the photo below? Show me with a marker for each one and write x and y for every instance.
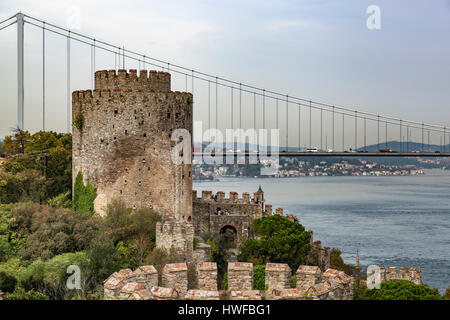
(195, 243)
(259, 277)
(447, 294)
(50, 277)
(224, 283)
(78, 122)
(294, 281)
(401, 290)
(84, 196)
(21, 294)
(7, 282)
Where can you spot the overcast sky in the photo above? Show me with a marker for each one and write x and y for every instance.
(317, 49)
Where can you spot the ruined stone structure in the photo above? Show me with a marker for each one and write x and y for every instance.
(412, 274)
(217, 213)
(318, 255)
(329, 285)
(122, 141)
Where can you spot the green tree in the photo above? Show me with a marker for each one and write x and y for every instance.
(62, 200)
(84, 196)
(102, 261)
(401, 290)
(336, 261)
(7, 282)
(132, 232)
(220, 244)
(280, 240)
(39, 167)
(17, 142)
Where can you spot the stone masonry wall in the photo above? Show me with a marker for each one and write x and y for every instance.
(278, 276)
(142, 285)
(175, 275)
(240, 276)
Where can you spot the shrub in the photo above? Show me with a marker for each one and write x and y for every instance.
(21, 294)
(84, 196)
(259, 277)
(195, 243)
(401, 290)
(7, 282)
(62, 200)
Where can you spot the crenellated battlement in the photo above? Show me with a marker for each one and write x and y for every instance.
(109, 79)
(311, 283)
(412, 274)
(209, 196)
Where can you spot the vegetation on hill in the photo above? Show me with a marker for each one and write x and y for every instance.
(39, 242)
(280, 240)
(38, 167)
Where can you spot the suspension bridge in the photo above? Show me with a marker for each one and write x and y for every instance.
(307, 127)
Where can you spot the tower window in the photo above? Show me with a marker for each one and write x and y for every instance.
(116, 111)
(168, 115)
(126, 131)
(145, 135)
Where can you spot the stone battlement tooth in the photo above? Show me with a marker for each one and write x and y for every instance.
(109, 79)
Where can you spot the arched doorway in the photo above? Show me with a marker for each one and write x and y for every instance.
(232, 232)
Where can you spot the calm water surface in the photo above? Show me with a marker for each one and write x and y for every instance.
(393, 221)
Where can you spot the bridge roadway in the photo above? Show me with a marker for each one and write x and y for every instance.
(327, 154)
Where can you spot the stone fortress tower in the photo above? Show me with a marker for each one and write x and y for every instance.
(122, 142)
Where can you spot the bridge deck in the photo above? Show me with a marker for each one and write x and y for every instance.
(327, 154)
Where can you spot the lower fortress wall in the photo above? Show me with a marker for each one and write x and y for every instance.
(311, 284)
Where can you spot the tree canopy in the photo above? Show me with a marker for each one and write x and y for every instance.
(280, 240)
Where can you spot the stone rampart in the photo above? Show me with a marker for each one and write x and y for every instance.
(312, 284)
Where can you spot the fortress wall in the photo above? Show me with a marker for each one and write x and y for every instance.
(124, 284)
